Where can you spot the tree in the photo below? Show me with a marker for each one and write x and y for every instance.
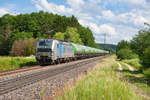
(71, 34)
(60, 24)
(46, 24)
(59, 36)
(140, 42)
(122, 45)
(146, 57)
(126, 53)
(21, 36)
(25, 47)
(2, 51)
(87, 36)
(140, 45)
(40, 25)
(73, 22)
(5, 41)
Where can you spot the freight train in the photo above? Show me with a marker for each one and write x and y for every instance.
(51, 51)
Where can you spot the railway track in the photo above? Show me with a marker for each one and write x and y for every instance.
(3, 73)
(18, 82)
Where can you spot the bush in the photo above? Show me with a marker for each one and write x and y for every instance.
(24, 47)
(147, 72)
(146, 57)
(126, 54)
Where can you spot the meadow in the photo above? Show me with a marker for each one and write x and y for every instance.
(141, 75)
(11, 63)
(103, 83)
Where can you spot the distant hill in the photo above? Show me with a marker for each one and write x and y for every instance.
(110, 47)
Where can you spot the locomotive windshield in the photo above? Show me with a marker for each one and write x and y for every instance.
(45, 43)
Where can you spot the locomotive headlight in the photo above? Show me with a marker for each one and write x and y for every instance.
(52, 53)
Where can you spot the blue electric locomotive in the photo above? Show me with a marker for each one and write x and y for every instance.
(53, 51)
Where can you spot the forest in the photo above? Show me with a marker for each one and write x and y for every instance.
(19, 34)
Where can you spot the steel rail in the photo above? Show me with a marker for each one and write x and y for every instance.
(18, 82)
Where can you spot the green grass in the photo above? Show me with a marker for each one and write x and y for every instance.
(11, 63)
(101, 84)
(138, 67)
(134, 62)
(140, 78)
(147, 72)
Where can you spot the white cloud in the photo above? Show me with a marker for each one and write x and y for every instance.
(38, 6)
(127, 38)
(107, 14)
(3, 11)
(101, 19)
(104, 28)
(134, 2)
(84, 16)
(83, 22)
(75, 4)
(124, 32)
(138, 4)
(140, 20)
(99, 29)
(94, 27)
(74, 7)
(107, 29)
(132, 17)
(51, 7)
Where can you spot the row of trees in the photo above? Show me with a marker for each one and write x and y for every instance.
(39, 25)
(139, 46)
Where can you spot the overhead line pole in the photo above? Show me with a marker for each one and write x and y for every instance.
(104, 40)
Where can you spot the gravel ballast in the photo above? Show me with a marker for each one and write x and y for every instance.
(47, 87)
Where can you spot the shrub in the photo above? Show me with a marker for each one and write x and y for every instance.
(147, 72)
(126, 54)
(146, 57)
(24, 47)
(122, 45)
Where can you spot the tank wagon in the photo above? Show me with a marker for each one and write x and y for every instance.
(50, 51)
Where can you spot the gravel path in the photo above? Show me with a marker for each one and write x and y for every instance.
(130, 67)
(137, 89)
(120, 67)
(140, 91)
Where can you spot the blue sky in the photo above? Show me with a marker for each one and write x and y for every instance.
(119, 19)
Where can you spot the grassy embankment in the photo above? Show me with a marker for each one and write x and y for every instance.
(103, 83)
(11, 63)
(141, 77)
